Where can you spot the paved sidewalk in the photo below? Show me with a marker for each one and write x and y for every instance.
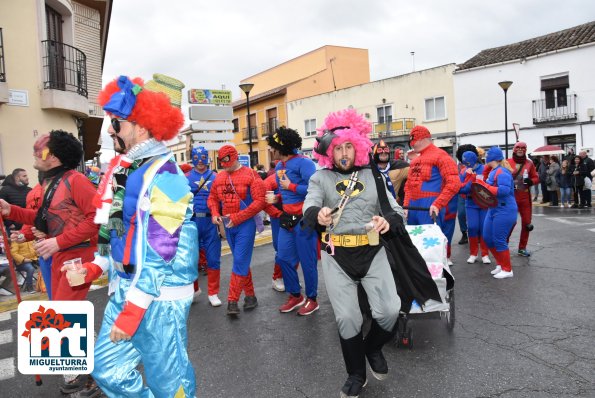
(8, 303)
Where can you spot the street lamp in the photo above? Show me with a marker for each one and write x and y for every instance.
(246, 87)
(505, 85)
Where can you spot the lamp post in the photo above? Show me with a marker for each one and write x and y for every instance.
(505, 85)
(246, 87)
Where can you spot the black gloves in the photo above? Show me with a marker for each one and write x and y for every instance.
(288, 221)
(528, 181)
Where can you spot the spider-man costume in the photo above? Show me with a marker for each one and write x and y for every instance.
(433, 180)
(240, 196)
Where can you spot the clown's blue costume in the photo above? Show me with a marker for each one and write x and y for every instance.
(145, 211)
(208, 235)
(472, 170)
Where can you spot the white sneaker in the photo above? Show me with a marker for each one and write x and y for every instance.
(486, 260)
(214, 300)
(196, 294)
(449, 262)
(278, 285)
(20, 279)
(4, 292)
(471, 259)
(503, 274)
(496, 270)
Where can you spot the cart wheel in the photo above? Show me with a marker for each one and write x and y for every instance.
(450, 316)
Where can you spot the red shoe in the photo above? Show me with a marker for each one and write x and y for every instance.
(309, 307)
(292, 303)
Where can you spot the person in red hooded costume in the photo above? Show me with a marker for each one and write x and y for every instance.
(524, 176)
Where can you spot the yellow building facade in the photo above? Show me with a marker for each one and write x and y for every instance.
(323, 70)
(51, 56)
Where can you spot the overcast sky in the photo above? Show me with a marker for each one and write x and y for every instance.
(207, 44)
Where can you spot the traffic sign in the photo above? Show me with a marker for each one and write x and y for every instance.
(244, 160)
(211, 126)
(211, 146)
(210, 112)
(212, 136)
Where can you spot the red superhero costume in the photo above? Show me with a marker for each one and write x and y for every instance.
(524, 175)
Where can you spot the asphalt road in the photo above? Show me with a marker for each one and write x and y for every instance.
(529, 336)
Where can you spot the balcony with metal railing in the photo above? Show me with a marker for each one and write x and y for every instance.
(560, 107)
(253, 131)
(64, 78)
(269, 128)
(394, 128)
(3, 85)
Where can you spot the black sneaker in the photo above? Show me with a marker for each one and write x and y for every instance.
(250, 302)
(79, 383)
(232, 308)
(464, 239)
(353, 386)
(378, 364)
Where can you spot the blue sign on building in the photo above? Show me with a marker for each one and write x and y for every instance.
(244, 160)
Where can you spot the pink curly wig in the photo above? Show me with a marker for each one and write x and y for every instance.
(152, 110)
(356, 132)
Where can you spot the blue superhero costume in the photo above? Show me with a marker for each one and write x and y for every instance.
(475, 215)
(299, 244)
(208, 234)
(500, 219)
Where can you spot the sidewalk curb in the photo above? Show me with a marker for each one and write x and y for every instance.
(11, 304)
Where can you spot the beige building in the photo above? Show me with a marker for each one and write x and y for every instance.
(392, 105)
(51, 58)
(323, 70)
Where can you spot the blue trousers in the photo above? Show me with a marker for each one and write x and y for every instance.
(462, 213)
(446, 218)
(160, 343)
(45, 267)
(299, 245)
(208, 238)
(275, 226)
(475, 220)
(241, 243)
(497, 227)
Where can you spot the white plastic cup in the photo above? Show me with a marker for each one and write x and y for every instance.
(373, 235)
(74, 272)
(270, 197)
(226, 220)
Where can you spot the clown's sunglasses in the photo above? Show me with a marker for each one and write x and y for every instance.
(384, 149)
(116, 124)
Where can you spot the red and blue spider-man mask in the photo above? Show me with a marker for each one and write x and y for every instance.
(199, 155)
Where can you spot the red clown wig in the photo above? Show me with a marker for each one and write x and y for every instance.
(152, 110)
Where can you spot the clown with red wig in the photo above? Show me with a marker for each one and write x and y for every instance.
(236, 197)
(433, 183)
(343, 200)
(147, 243)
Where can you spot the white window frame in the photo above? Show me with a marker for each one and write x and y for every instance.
(310, 131)
(433, 99)
(384, 107)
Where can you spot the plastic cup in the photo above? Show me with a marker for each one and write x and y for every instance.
(226, 220)
(74, 272)
(270, 197)
(373, 235)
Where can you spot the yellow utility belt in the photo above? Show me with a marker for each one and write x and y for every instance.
(346, 240)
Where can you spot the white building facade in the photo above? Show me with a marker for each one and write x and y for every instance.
(392, 105)
(552, 96)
